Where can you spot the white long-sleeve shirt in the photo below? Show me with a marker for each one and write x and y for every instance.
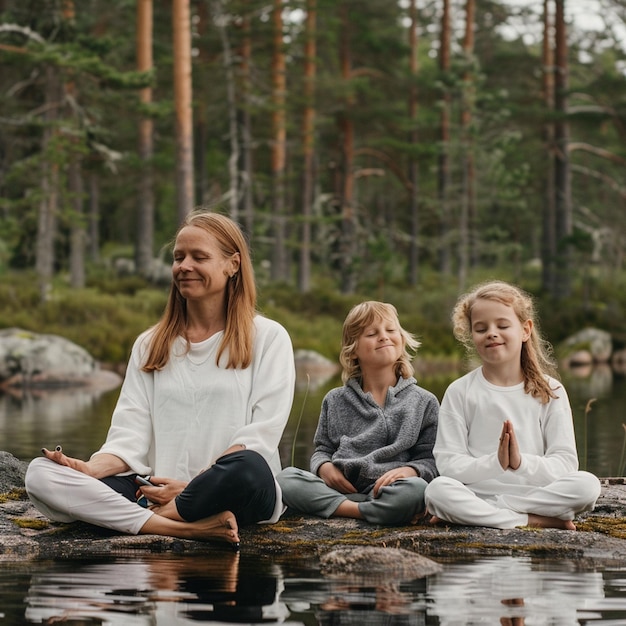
(176, 422)
(470, 424)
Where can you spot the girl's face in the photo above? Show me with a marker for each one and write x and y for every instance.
(497, 332)
(379, 344)
(200, 270)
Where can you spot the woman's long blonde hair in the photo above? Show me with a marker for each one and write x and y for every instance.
(240, 300)
(536, 356)
(357, 320)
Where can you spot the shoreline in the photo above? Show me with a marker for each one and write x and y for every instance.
(26, 535)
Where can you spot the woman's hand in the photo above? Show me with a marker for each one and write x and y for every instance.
(508, 448)
(164, 490)
(99, 466)
(334, 478)
(391, 476)
(62, 459)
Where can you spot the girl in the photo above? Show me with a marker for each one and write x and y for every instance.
(206, 397)
(505, 447)
(373, 444)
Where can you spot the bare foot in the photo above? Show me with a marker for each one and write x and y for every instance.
(423, 517)
(221, 526)
(543, 521)
(434, 520)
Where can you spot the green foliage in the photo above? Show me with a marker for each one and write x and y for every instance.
(72, 93)
(105, 324)
(106, 318)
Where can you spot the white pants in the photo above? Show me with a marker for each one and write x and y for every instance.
(65, 495)
(452, 501)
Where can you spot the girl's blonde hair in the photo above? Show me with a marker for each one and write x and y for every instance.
(240, 300)
(536, 356)
(357, 320)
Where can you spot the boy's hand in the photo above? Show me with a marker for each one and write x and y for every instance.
(391, 476)
(334, 478)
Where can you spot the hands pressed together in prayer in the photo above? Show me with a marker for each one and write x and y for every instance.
(508, 449)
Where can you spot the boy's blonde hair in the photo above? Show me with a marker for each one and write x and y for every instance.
(536, 356)
(357, 320)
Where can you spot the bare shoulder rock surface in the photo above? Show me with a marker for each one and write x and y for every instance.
(26, 534)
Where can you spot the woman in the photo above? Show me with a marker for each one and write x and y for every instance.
(205, 400)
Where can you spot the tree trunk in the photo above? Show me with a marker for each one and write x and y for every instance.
(444, 138)
(94, 217)
(48, 206)
(233, 158)
(247, 207)
(548, 244)
(145, 209)
(563, 208)
(308, 134)
(183, 102)
(347, 248)
(413, 141)
(78, 235)
(467, 105)
(279, 259)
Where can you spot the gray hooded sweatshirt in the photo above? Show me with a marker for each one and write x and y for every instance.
(365, 440)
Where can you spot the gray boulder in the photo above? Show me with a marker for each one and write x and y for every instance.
(32, 359)
(12, 472)
(314, 369)
(597, 343)
(373, 561)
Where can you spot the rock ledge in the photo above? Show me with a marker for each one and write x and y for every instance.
(26, 535)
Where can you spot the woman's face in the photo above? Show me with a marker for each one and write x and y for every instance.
(200, 270)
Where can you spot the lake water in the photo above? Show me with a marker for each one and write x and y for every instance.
(224, 588)
(171, 590)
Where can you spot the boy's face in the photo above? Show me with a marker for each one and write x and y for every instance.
(380, 344)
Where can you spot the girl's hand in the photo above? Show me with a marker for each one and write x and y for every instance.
(515, 456)
(503, 448)
(391, 476)
(334, 478)
(164, 490)
(508, 448)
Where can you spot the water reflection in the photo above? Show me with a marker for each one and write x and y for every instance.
(156, 592)
(225, 588)
(514, 591)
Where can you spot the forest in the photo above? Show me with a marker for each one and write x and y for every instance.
(362, 145)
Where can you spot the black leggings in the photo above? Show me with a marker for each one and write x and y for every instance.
(240, 482)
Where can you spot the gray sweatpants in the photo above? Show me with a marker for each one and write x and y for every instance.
(397, 504)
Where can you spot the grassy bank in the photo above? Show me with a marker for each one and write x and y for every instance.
(105, 317)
